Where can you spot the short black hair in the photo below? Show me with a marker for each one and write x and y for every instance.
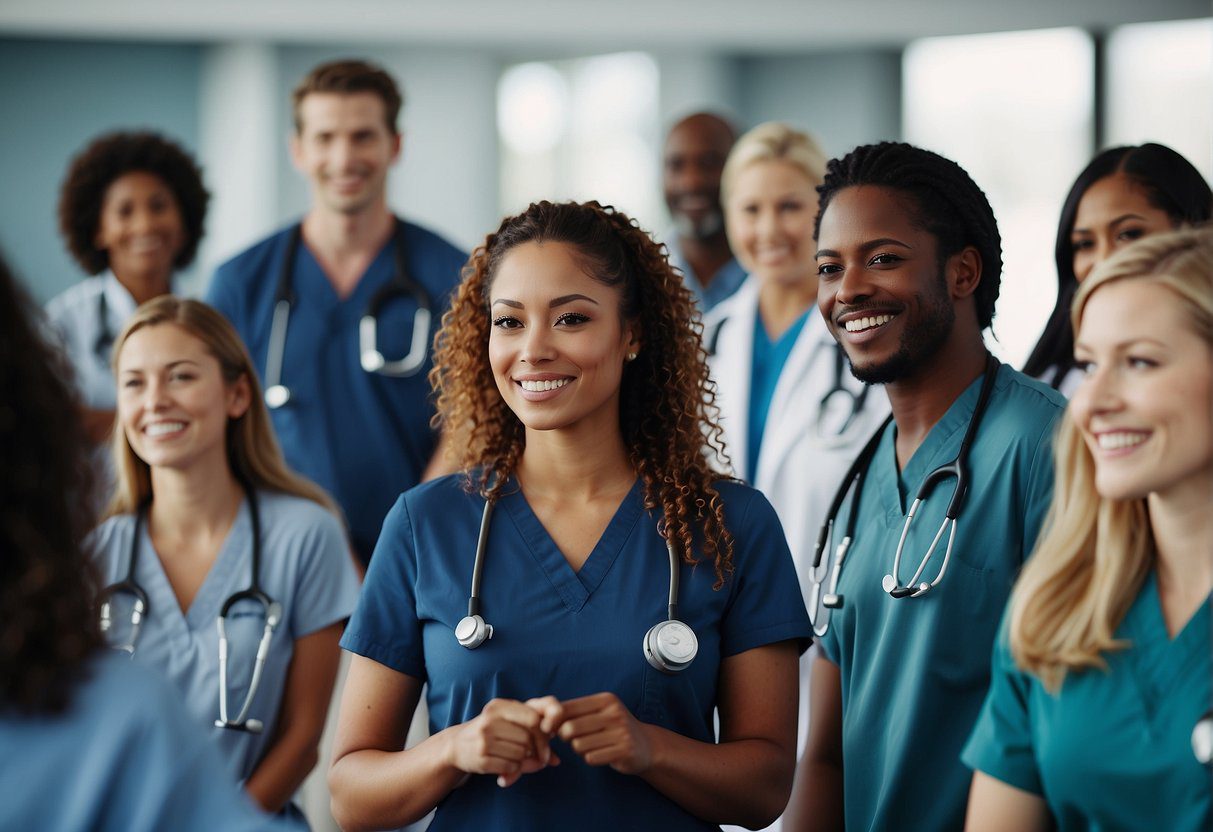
(1172, 185)
(948, 204)
(110, 157)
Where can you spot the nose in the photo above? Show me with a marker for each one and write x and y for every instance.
(538, 346)
(155, 395)
(341, 153)
(853, 286)
(1100, 391)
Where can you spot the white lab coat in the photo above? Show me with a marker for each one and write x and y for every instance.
(797, 471)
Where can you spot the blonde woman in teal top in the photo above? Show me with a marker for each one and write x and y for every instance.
(1104, 666)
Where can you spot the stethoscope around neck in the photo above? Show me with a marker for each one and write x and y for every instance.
(140, 610)
(277, 393)
(958, 468)
(669, 646)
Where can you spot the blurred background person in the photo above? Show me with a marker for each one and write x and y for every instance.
(793, 415)
(208, 524)
(691, 163)
(1124, 194)
(131, 211)
(91, 740)
(1103, 666)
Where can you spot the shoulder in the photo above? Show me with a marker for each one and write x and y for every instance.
(1030, 407)
(746, 509)
(297, 516)
(254, 258)
(114, 532)
(438, 495)
(431, 245)
(68, 303)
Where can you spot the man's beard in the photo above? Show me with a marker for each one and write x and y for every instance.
(918, 343)
(710, 225)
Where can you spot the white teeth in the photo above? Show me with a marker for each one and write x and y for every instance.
(1120, 439)
(161, 428)
(541, 386)
(860, 324)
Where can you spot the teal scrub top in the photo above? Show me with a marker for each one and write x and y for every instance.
(767, 363)
(1112, 750)
(914, 671)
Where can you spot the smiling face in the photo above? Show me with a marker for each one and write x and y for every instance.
(692, 162)
(345, 148)
(140, 228)
(173, 403)
(557, 344)
(1145, 407)
(1113, 212)
(881, 287)
(770, 213)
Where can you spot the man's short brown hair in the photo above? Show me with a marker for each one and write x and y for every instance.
(346, 78)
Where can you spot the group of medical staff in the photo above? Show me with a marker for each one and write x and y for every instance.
(603, 495)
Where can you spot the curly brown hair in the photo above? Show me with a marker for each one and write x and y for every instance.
(49, 626)
(110, 157)
(667, 400)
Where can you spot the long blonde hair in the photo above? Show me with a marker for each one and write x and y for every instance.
(1095, 553)
(252, 450)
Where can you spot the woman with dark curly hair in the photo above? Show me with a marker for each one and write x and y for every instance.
(562, 692)
(131, 211)
(91, 741)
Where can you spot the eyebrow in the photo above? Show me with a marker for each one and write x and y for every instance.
(868, 246)
(171, 365)
(1125, 344)
(1114, 222)
(560, 301)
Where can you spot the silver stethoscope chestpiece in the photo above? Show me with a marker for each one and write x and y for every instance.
(472, 631)
(276, 396)
(372, 360)
(1202, 739)
(670, 646)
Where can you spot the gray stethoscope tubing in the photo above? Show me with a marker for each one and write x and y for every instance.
(105, 338)
(271, 608)
(842, 435)
(891, 584)
(372, 360)
(669, 646)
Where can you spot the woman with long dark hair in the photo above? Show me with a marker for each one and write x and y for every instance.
(585, 596)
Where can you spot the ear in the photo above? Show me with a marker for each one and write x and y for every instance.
(631, 332)
(239, 397)
(397, 146)
(964, 272)
(295, 145)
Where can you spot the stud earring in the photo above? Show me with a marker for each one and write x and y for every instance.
(632, 356)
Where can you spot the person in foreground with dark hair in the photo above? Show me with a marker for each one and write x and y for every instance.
(551, 596)
(1124, 194)
(909, 262)
(131, 211)
(1102, 669)
(91, 741)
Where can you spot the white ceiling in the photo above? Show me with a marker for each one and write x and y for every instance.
(724, 25)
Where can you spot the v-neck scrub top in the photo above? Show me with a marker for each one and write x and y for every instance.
(567, 634)
(914, 671)
(1112, 749)
(305, 566)
(363, 437)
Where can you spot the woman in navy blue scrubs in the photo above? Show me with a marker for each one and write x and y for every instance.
(1105, 666)
(572, 381)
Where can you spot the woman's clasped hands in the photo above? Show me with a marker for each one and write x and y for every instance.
(511, 738)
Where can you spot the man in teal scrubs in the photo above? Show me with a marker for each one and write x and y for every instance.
(909, 258)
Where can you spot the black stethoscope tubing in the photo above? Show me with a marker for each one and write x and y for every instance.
(372, 360)
(957, 468)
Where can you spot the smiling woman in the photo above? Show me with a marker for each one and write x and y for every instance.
(621, 593)
(208, 524)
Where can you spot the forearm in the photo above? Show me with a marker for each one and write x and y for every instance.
(283, 769)
(816, 804)
(373, 789)
(744, 781)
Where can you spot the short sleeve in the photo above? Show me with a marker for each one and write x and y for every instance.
(1001, 742)
(326, 589)
(766, 604)
(385, 627)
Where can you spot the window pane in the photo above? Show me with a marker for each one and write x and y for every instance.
(1015, 110)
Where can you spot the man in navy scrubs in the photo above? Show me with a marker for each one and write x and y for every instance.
(361, 433)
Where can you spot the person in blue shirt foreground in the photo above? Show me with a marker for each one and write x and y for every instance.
(91, 741)
(571, 379)
(909, 263)
(1104, 666)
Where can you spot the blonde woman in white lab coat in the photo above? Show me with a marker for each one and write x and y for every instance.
(794, 417)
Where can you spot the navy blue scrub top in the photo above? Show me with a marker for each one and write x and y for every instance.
(363, 437)
(914, 671)
(566, 634)
(1111, 750)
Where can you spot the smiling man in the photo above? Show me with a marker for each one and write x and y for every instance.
(909, 263)
(692, 162)
(349, 399)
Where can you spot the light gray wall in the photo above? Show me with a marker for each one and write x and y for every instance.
(844, 99)
(57, 96)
